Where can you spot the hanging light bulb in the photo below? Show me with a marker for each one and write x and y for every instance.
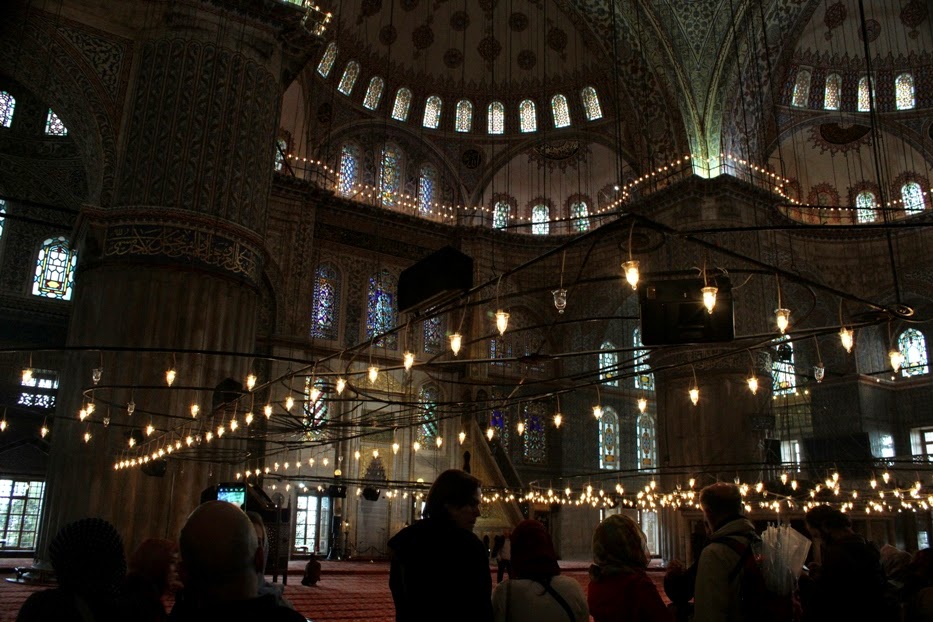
(289, 402)
(27, 375)
(314, 393)
(782, 317)
(356, 454)
(709, 297)
(170, 376)
(82, 414)
(373, 374)
(220, 431)
(502, 321)
(87, 437)
(461, 437)
(558, 419)
(189, 440)
(90, 408)
(250, 381)
(44, 431)
(248, 418)
(521, 428)
(847, 337)
(598, 411)
(439, 441)
(819, 372)
(897, 359)
(560, 299)
(234, 424)
(630, 269)
(150, 429)
(642, 404)
(416, 446)
(3, 425)
(375, 453)
(490, 433)
(130, 407)
(752, 385)
(695, 395)
(456, 340)
(96, 374)
(194, 410)
(409, 358)
(341, 385)
(395, 447)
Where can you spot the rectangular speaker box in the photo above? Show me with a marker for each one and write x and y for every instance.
(436, 279)
(672, 313)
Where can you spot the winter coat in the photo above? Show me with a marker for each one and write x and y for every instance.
(716, 598)
(626, 597)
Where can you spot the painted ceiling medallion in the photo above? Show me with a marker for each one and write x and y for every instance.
(388, 34)
(518, 22)
(489, 48)
(368, 8)
(873, 28)
(835, 15)
(557, 39)
(459, 21)
(409, 5)
(913, 14)
(453, 58)
(488, 5)
(527, 59)
(422, 37)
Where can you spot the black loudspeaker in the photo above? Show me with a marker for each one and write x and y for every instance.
(439, 277)
(155, 468)
(672, 313)
(371, 494)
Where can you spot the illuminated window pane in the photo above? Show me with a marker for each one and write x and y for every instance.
(832, 95)
(865, 207)
(427, 431)
(500, 348)
(433, 335)
(608, 364)
(2, 219)
(380, 309)
(609, 440)
(801, 89)
(913, 348)
(647, 443)
(432, 112)
(500, 215)
(315, 412)
(349, 166)
(534, 447)
(21, 509)
(426, 184)
(390, 175)
(40, 391)
(904, 92)
(7, 104)
(539, 220)
(912, 198)
(373, 93)
(281, 150)
(499, 422)
(591, 104)
(350, 74)
(327, 61)
(325, 307)
(580, 215)
(55, 269)
(464, 116)
(496, 118)
(784, 380)
(560, 110)
(402, 104)
(864, 101)
(527, 116)
(644, 379)
(54, 125)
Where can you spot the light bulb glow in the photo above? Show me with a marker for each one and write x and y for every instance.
(234, 425)
(897, 359)
(752, 384)
(695, 395)
(248, 418)
(250, 382)
(91, 408)
(395, 447)
(341, 385)
(630, 269)
(409, 359)
(313, 394)
(87, 437)
(558, 419)
(502, 321)
(439, 441)
(194, 410)
(782, 318)
(521, 428)
(416, 446)
(642, 404)
(289, 402)
(27, 375)
(170, 376)
(709, 297)
(490, 433)
(461, 437)
(456, 340)
(356, 454)
(220, 431)
(150, 429)
(373, 374)
(82, 414)
(598, 411)
(44, 431)
(375, 453)
(847, 337)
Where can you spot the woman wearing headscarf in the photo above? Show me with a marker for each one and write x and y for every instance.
(619, 589)
(536, 592)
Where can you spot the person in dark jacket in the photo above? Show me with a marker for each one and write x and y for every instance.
(439, 568)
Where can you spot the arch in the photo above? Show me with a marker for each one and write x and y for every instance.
(647, 442)
(784, 378)
(325, 304)
(527, 117)
(832, 94)
(373, 93)
(402, 104)
(327, 60)
(591, 105)
(427, 182)
(55, 269)
(390, 174)
(348, 79)
(432, 112)
(608, 361)
(540, 219)
(864, 101)
(912, 198)
(348, 169)
(913, 348)
(801, 94)
(464, 116)
(904, 96)
(609, 440)
(495, 118)
(381, 309)
(7, 106)
(560, 111)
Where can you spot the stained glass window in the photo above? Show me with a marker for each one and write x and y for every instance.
(7, 104)
(865, 207)
(373, 93)
(609, 440)
(647, 443)
(580, 215)
(39, 391)
(534, 446)
(500, 348)
(380, 310)
(349, 165)
(433, 335)
(784, 380)
(560, 110)
(54, 125)
(864, 102)
(500, 215)
(904, 92)
(327, 61)
(608, 364)
(496, 118)
(539, 220)
(426, 183)
(464, 115)
(591, 104)
(499, 421)
(281, 149)
(432, 112)
(390, 174)
(401, 105)
(833, 93)
(2, 219)
(325, 307)
(348, 79)
(55, 270)
(315, 412)
(913, 348)
(644, 379)
(428, 397)
(801, 89)
(528, 119)
(912, 198)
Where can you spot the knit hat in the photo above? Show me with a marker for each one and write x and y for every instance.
(533, 553)
(88, 557)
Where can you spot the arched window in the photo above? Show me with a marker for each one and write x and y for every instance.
(426, 183)
(647, 443)
(912, 198)
(539, 220)
(373, 93)
(608, 364)
(315, 411)
(348, 170)
(904, 92)
(281, 150)
(7, 104)
(580, 215)
(609, 440)
(496, 118)
(390, 174)
(380, 309)
(401, 105)
(865, 206)
(433, 335)
(2, 219)
(833, 93)
(591, 104)
(54, 125)
(428, 398)
(644, 379)
(913, 347)
(55, 270)
(500, 215)
(499, 422)
(464, 115)
(327, 61)
(432, 112)
(534, 447)
(500, 348)
(864, 101)
(801, 89)
(527, 117)
(348, 79)
(560, 110)
(784, 380)
(325, 307)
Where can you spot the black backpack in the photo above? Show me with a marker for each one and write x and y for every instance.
(758, 603)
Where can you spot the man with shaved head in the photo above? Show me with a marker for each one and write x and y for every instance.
(220, 556)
